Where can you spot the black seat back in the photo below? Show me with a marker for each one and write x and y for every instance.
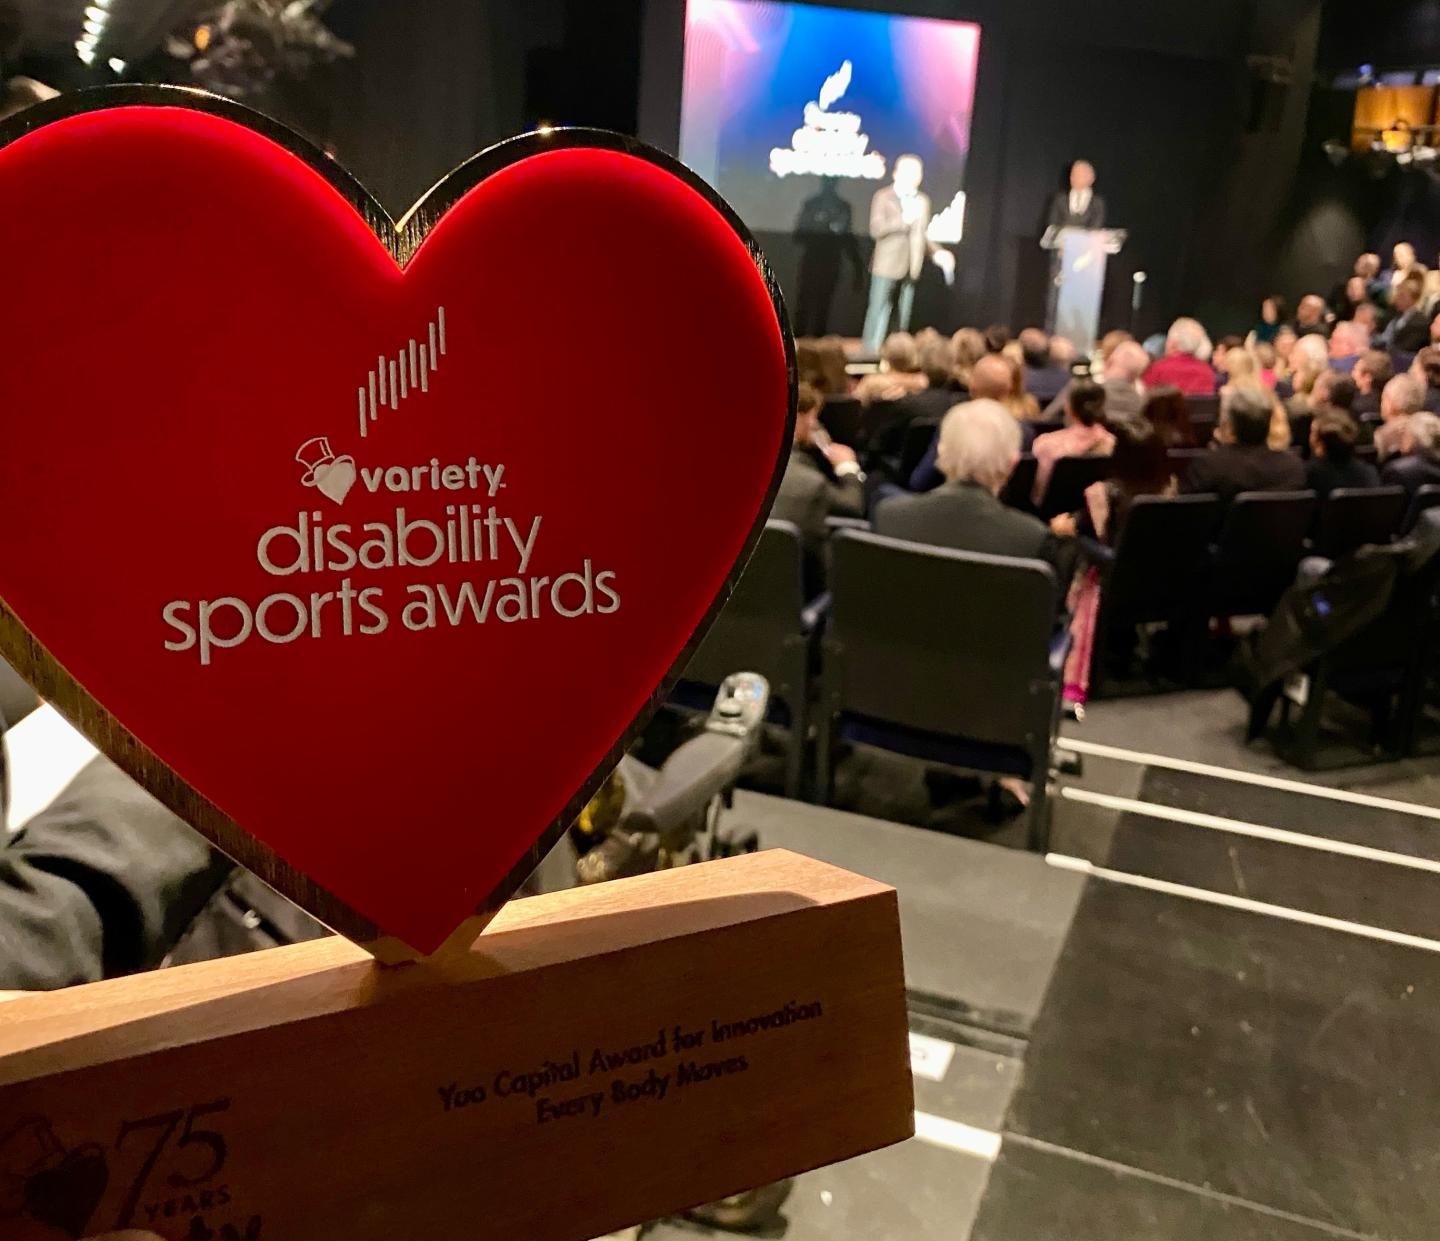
(842, 418)
(1351, 517)
(761, 616)
(944, 641)
(919, 435)
(1260, 545)
(1427, 497)
(1017, 489)
(1162, 543)
(1180, 459)
(1065, 492)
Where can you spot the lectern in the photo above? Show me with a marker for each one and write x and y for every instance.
(1078, 280)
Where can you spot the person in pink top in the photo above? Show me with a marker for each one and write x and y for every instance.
(1186, 362)
(1083, 435)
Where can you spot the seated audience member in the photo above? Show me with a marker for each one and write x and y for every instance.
(997, 336)
(1242, 368)
(1345, 298)
(937, 364)
(1168, 412)
(1435, 329)
(899, 372)
(1425, 370)
(1371, 372)
(821, 364)
(969, 347)
(1347, 342)
(1221, 352)
(1121, 367)
(1409, 330)
(1265, 356)
(1310, 316)
(1285, 340)
(1140, 466)
(1185, 364)
(1402, 260)
(991, 379)
(1022, 406)
(1062, 353)
(821, 480)
(1401, 399)
(979, 445)
(1083, 435)
(1308, 359)
(1418, 461)
(1043, 379)
(1272, 319)
(1333, 462)
(1241, 460)
(1367, 319)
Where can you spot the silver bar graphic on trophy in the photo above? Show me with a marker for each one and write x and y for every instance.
(394, 399)
(404, 385)
(380, 366)
(440, 314)
(434, 362)
(361, 394)
(424, 368)
(372, 396)
(413, 379)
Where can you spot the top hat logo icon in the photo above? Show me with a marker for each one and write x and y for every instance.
(333, 476)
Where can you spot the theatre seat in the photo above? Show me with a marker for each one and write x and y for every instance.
(842, 417)
(1351, 517)
(918, 437)
(1065, 493)
(1017, 489)
(1427, 497)
(1156, 572)
(949, 657)
(766, 628)
(1259, 547)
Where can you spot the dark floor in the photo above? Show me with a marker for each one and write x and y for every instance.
(1212, 1015)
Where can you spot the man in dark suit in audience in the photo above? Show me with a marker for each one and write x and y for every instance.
(1333, 462)
(1240, 460)
(1371, 372)
(1043, 377)
(821, 480)
(1409, 330)
(1419, 459)
(979, 445)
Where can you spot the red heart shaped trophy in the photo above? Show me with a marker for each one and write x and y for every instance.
(368, 547)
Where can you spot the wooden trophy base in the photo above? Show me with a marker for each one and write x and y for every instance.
(602, 1056)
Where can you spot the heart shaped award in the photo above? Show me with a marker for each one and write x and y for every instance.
(368, 547)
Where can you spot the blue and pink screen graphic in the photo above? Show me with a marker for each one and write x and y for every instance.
(779, 96)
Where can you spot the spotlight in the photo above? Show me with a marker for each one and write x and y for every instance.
(94, 27)
(1139, 277)
(95, 13)
(86, 52)
(116, 64)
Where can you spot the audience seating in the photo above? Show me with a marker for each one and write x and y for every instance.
(1259, 546)
(843, 418)
(766, 628)
(1153, 573)
(1426, 498)
(1380, 669)
(1018, 487)
(918, 437)
(1351, 517)
(1180, 459)
(969, 675)
(1065, 492)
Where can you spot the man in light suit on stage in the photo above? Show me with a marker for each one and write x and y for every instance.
(899, 220)
(1079, 206)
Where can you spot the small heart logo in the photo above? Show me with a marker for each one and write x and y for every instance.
(336, 478)
(390, 688)
(65, 1196)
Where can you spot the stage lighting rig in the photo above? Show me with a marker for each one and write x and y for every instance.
(239, 48)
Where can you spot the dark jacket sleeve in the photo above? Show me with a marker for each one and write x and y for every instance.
(846, 497)
(1097, 211)
(926, 476)
(102, 882)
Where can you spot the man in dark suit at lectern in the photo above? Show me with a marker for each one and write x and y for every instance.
(1079, 206)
